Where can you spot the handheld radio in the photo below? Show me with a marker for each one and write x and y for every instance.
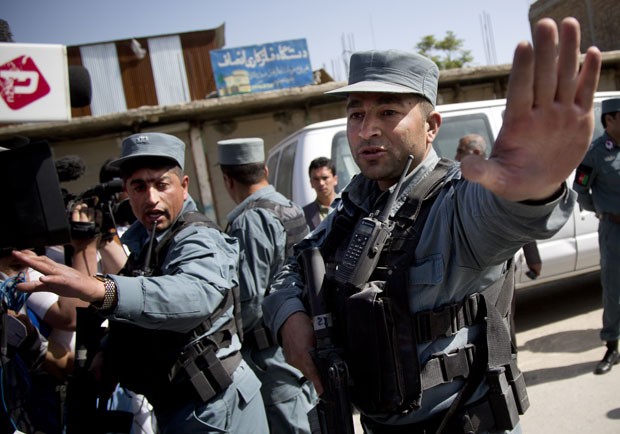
(367, 241)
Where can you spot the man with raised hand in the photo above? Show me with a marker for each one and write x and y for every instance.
(425, 338)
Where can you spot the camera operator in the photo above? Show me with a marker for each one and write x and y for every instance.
(111, 255)
(121, 217)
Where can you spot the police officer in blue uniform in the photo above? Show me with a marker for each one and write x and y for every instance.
(597, 183)
(172, 333)
(267, 225)
(424, 334)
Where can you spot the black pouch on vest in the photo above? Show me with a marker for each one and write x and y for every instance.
(382, 355)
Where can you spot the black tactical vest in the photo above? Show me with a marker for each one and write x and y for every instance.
(150, 361)
(291, 217)
(375, 326)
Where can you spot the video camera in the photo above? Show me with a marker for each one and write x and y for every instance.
(104, 198)
(34, 214)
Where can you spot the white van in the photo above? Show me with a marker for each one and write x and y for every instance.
(572, 251)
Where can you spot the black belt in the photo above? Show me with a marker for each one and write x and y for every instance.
(429, 426)
(614, 218)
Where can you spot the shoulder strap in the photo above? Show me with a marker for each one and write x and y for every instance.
(187, 219)
(292, 218)
(418, 204)
(426, 189)
(422, 193)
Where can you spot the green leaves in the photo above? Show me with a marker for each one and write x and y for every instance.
(447, 53)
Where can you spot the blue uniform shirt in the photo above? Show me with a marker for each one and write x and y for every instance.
(263, 250)
(597, 181)
(199, 268)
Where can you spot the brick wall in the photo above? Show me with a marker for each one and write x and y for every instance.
(599, 19)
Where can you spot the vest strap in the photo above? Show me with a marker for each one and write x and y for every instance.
(293, 220)
(447, 320)
(206, 325)
(444, 368)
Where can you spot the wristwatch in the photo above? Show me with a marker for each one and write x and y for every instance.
(109, 297)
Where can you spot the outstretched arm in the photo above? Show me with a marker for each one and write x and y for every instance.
(549, 116)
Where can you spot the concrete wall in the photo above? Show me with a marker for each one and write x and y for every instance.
(599, 19)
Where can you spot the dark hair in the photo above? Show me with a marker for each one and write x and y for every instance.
(246, 174)
(155, 163)
(604, 121)
(108, 173)
(319, 162)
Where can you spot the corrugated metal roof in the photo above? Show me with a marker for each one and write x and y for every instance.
(166, 55)
(102, 63)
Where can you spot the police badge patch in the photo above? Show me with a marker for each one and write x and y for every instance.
(582, 177)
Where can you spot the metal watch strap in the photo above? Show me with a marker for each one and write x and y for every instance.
(109, 297)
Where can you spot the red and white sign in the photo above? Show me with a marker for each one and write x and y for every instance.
(34, 84)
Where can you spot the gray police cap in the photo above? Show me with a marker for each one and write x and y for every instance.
(392, 71)
(151, 145)
(235, 152)
(610, 106)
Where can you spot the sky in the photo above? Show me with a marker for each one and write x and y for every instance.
(332, 29)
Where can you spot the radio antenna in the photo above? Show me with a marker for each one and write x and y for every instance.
(390, 203)
(147, 260)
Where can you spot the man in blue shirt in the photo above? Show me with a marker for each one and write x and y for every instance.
(267, 226)
(172, 334)
(597, 182)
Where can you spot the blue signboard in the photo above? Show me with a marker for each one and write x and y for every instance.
(258, 68)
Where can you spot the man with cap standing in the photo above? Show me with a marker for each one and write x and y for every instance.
(597, 183)
(267, 225)
(172, 334)
(421, 311)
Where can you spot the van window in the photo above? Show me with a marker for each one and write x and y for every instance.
(272, 166)
(343, 160)
(285, 170)
(455, 127)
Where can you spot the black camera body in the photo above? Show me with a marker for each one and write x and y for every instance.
(104, 199)
(33, 215)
